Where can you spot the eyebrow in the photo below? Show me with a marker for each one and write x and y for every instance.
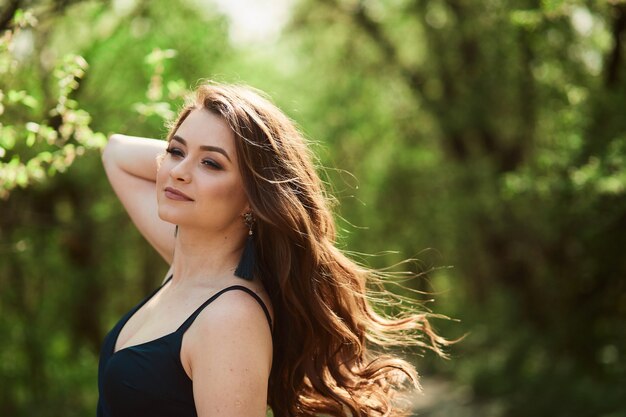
(203, 147)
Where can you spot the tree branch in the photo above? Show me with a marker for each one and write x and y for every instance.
(614, 60)
(376, 33)
(8, 13)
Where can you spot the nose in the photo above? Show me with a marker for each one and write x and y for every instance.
(180, 172)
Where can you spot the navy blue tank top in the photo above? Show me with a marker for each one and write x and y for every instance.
(148, 379)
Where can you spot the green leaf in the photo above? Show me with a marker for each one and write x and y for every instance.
(18, 16)
(21, 177)
(45, 156)
(528, 19)
(157, 56)
(49, 134)
(32, 127)
(96, 140)
(7, 137)
(169, 53)
(31, 139)
(24, 18)
(176, 89)
(29, 101)
(551, 6)
(16, 96)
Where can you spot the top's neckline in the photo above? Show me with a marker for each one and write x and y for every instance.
(131, 314)
(184, 323)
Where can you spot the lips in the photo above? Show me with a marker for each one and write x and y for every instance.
(174, 194)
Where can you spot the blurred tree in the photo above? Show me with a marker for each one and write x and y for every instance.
(507, 115)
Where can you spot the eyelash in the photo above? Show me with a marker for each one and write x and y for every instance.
(207, 162)
(174, 151)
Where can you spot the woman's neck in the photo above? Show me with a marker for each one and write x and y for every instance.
(205, 259)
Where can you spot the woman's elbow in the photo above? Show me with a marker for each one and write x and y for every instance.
(108, 153)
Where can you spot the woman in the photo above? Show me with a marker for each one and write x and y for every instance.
(259, 307)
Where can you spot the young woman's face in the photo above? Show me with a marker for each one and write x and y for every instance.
(198, 182)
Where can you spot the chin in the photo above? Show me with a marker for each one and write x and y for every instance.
(170, 214)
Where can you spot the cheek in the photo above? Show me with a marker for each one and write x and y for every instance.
(221, 190)
(229, 193)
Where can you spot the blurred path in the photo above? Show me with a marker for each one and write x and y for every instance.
(443, 398)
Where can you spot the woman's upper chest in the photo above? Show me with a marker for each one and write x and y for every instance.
(159, 316)
(166, 312)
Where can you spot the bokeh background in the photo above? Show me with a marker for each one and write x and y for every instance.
(486, 139)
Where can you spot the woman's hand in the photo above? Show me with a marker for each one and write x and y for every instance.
(131, 166)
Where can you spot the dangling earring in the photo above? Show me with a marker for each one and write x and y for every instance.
(245, 269)
(176, 231)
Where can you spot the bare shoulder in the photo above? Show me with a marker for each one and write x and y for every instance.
(235, 309)
(229, 356)
(235, 316)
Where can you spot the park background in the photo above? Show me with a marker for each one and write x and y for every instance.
(485, 139)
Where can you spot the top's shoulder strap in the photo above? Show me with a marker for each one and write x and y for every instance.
(195, 314)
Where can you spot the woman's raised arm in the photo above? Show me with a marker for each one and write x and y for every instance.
(131, 166)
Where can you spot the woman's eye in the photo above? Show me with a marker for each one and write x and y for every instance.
(174, 151)
(211, 164)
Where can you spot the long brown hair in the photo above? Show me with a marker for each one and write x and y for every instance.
(325, 325)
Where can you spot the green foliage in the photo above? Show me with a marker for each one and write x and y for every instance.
(175, 89)
(490, 132)
(36, 150)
